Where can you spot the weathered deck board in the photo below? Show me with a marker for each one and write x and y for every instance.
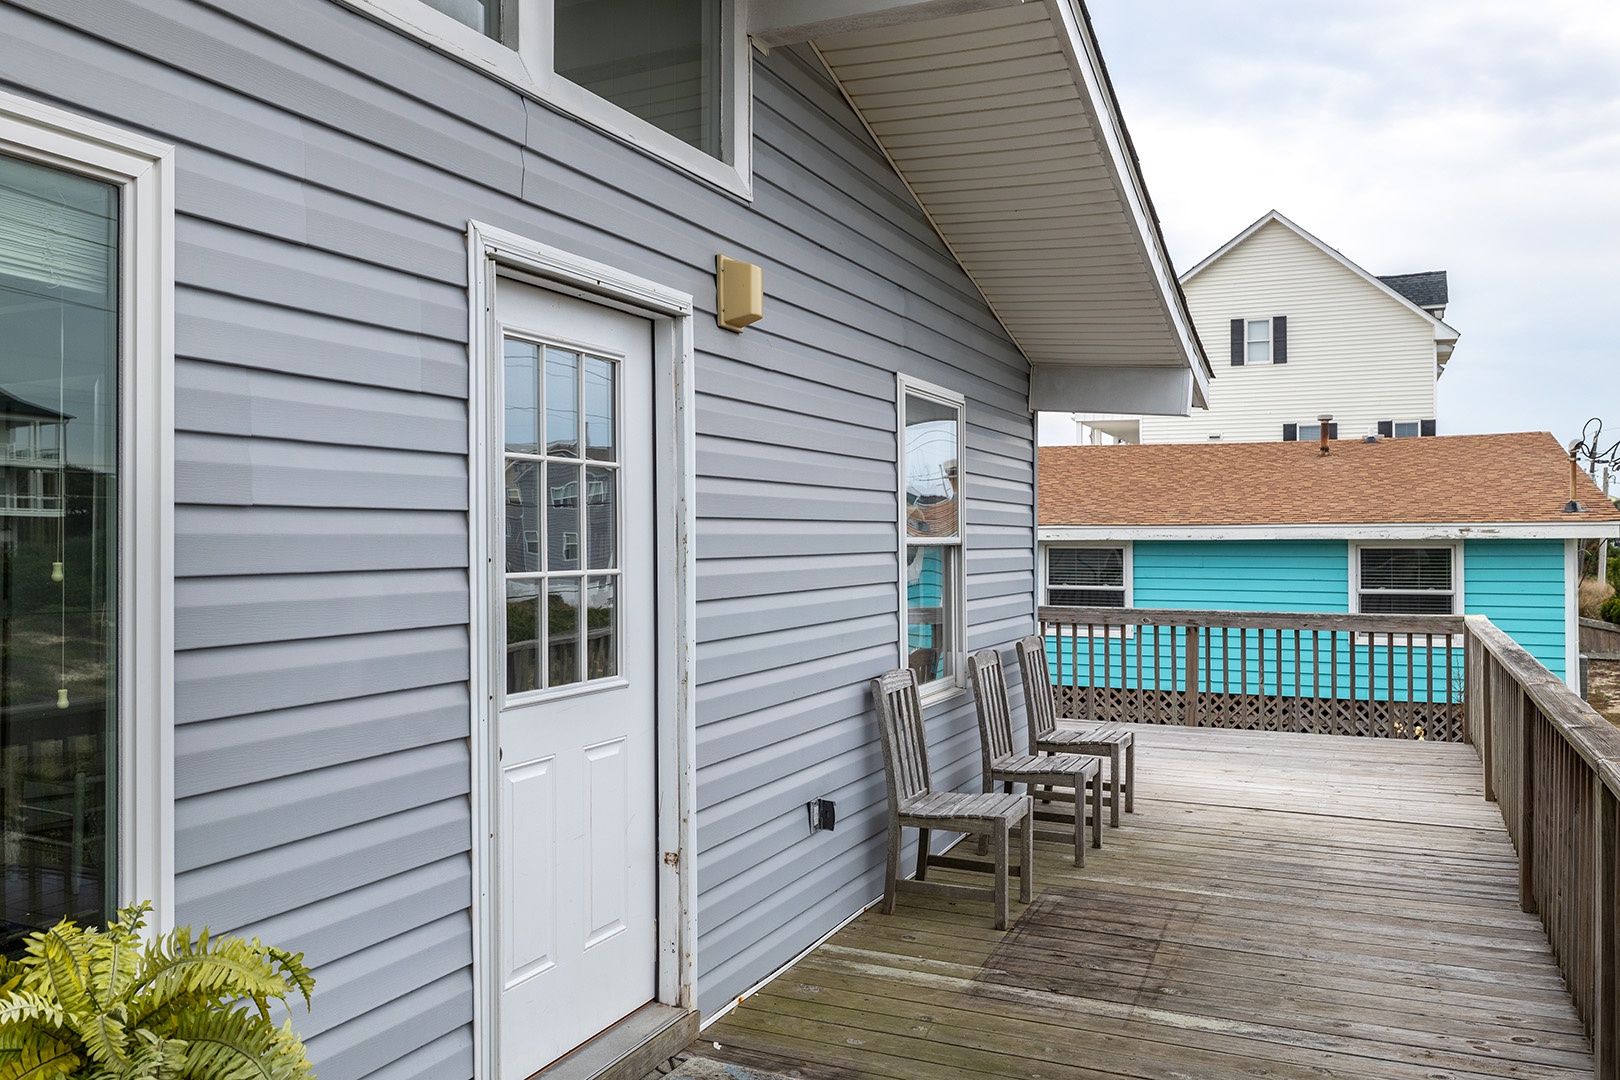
(1279, 905)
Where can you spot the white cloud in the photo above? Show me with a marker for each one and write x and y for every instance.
(1477, 136)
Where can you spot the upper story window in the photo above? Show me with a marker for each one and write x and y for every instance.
(668, 76)
(1405, 429)
(656, 59)
(1311, 432)
(1260, 341)
(933, 591)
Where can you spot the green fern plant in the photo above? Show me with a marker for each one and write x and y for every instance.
(87, 1004)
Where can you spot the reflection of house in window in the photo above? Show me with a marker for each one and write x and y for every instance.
(565, 494)
(31, 459)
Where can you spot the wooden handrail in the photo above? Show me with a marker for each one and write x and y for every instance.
(1302, 620)
(1552, 764)
(1381, 675)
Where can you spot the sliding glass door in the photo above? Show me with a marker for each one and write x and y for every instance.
(59, 334)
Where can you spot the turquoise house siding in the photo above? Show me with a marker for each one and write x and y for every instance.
(1519, 586)
(1246, 575)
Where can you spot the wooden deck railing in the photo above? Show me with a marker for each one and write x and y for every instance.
(1397, 676)
(1553, 765)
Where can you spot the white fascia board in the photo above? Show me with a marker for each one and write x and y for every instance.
(1442, 331)
(1109, 388)
(1085, 61)
(787, 22)
(1572, 530)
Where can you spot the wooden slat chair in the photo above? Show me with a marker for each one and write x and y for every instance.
(913, 803)
(1086, 736)
(1004, 764)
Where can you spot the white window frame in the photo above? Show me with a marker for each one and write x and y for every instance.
(1129, 570)
(529, 68)
(1457, 604)
(1395, 429)
(1122, 545)
(143, 170)
(956, 682)
(1270, 340)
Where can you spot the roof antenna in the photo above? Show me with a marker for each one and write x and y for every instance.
(1324, 423)
(1589, 446)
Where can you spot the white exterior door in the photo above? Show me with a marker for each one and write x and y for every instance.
(573, 577)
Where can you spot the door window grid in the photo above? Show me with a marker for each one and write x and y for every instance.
(561, 552)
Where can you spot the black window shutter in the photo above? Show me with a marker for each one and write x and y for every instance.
(1333, 431)
(1237, 342)
(1426, 427)
(1386, 429)
(1279, 339)
(1290, 433)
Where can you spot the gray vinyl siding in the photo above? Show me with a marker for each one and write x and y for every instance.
(326, 171)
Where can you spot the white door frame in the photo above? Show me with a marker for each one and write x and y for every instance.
(491, 253)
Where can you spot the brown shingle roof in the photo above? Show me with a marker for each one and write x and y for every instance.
(1453, 479)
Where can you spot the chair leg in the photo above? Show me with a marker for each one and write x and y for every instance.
(1130, 778)
(1026, 877)
(891, 874)
(989, 786)
(1115, 780)
(922, 854)
(1096, 809)
(1003, 841)
(1080, 819)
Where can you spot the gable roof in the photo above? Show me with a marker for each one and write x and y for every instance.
(1426, 290)
(1442, 332)
(1000, 119)
(1472, 484)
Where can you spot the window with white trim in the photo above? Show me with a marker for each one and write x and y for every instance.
(932, 448)
(1257, 341)
(668, 76)
(1086, 576)
(1406, 580)
(86, 367)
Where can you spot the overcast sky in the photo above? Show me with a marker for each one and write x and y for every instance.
(1480, 137)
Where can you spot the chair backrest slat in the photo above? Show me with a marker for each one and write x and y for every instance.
(990, 700)
(1038, 692)
(900, 728)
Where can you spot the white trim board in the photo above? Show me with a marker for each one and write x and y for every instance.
(1438, 531)
(494, 252)
(144, 171)
(1572, 615)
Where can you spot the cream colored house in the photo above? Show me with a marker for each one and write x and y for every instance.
(1296, 331)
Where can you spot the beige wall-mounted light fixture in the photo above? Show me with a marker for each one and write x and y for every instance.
(739, 293)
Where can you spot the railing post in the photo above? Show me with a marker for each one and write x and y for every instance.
(1606, 962)
(1527, 803)
(1190, 714)
(1487, 720)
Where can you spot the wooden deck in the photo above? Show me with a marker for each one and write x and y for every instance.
(1279, 905)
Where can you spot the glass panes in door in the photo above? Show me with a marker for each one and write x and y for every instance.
(562, 527)
(59, 243)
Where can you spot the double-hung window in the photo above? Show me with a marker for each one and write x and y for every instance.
(86, 290)
(932, 583)
(668, 76)
(1086, 576)
(1406, 580)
